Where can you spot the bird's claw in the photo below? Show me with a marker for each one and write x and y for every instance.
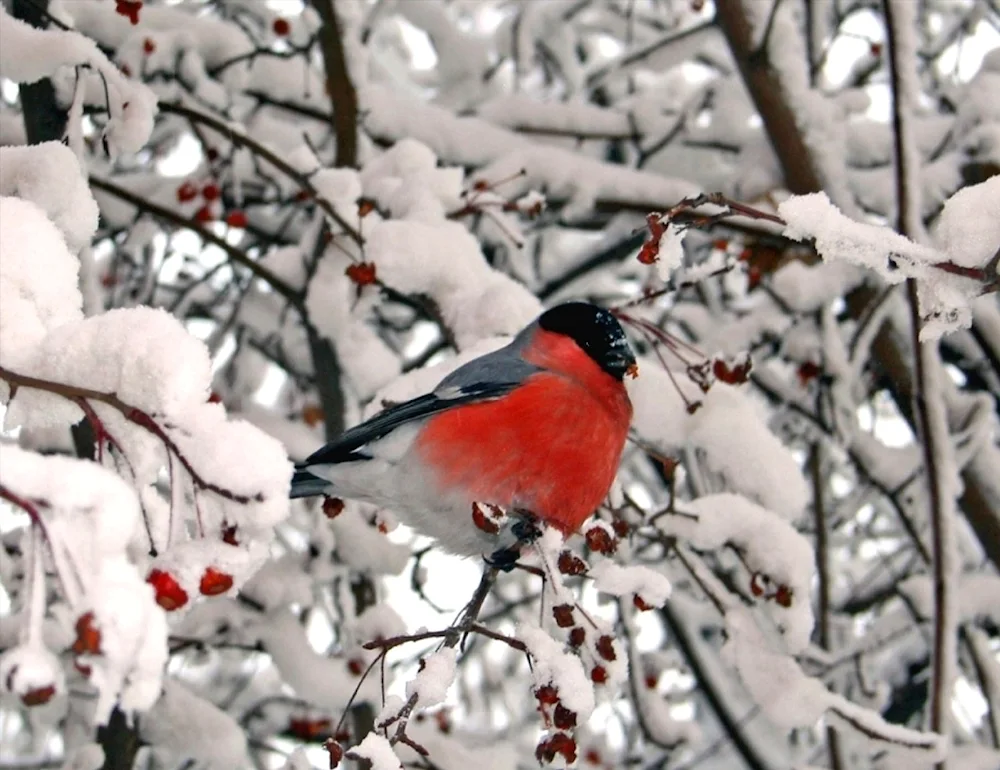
(525, 528)
(505, 559)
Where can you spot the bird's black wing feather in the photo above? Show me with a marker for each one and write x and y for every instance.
(345, 448)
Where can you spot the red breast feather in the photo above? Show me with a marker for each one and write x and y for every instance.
(552, 446)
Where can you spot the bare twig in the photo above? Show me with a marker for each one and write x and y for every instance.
(935, 441)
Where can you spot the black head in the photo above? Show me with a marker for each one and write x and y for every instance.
(596, 331)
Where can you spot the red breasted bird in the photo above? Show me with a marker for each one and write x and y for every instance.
(537, 426)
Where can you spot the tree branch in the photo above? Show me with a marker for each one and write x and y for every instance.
(338, 84)
(935, 441)
(236, 255)
(762, 81)
(238, 137)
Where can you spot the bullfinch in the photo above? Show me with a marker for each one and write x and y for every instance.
(537, 427)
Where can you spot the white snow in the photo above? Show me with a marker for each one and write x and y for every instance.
(631, 580)
(968, 228)
(38, 280)
(734, 438)
(553, 665)
(767, 543)
(436, 675)
(183, 725)
(378, 751)
(49, 175)
(944, 297)
(90, 514)
(31, 54)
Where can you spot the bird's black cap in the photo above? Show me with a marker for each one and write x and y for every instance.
(596, 331)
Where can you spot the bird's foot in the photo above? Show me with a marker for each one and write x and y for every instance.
(505, 559)
(527, 531)
(526, 528)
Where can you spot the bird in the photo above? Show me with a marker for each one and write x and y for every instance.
(536, 427)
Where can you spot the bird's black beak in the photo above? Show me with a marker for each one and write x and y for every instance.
(620, 361)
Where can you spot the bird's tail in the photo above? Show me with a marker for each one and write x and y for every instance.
(305, 484)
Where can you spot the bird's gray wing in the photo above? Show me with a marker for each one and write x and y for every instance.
(483, 379)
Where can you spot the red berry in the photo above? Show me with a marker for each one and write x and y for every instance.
(606, 648)
(237, 219)
(169, 593)
(651, 681)
(563, 613)
(547, 694)
(229, 534)
(876, 49)
(129, 9)
(640, 604)
(38, 695)
(564, 745)
(214, 398)
(281, 27)
(148, 45)
(735, 374)
(332, 507)
(356, 666)
(188, 191)
(211, 191)
(620, 526)
(563, 718)
(807, 372)
(308, 729)
(212, 154)
(362, 273)
(783, 596)
(593, 757)
(336, 753)
(577, 636)
(88, 638)
(570, 564)
(482, 521)
(204, 215)
(313, 415)
(599, 540)
(109, 280)
(649, 253)
(365, 207)
(214, 582)
(599, 674)
(560, 743)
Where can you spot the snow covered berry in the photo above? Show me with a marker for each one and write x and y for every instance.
(169, 593)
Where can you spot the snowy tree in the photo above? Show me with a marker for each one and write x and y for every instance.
(230, 228)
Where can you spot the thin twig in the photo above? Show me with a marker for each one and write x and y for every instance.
(932, 425)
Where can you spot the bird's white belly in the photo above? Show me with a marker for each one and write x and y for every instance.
(395, 479)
